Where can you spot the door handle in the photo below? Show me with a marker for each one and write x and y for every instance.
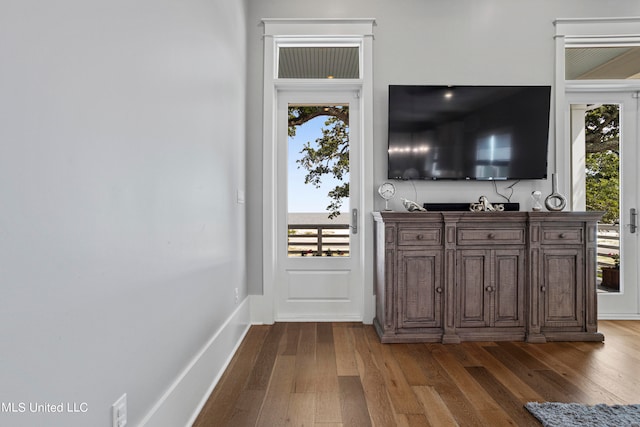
(633, 217)
(354, 221)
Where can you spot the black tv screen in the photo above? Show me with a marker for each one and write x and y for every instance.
(468, 132)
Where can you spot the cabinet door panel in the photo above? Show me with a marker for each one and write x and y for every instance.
(509, 288)
(473, 277)
(420, 288)
(562, 290)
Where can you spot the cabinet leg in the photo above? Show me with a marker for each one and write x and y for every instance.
(450, 339)
(536, 338)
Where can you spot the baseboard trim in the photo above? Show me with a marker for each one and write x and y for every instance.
(318, 318)
(176, 406)
(612, 316)
(261, 310)
(262, 313)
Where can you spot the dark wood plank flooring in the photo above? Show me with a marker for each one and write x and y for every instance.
(339, 374)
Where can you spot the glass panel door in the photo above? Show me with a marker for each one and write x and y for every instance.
(318, 181)
(318, 276)
(604, 153)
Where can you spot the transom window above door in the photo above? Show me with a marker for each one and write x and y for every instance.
(318, 62)
(597, 63)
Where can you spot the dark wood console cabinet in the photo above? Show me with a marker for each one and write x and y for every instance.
(475, 276)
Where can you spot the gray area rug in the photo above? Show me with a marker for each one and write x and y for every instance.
(552, 414)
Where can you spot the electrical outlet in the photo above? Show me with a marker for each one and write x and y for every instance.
(119, 411)
(237, 295)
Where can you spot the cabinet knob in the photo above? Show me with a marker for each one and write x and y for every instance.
(543, 288)
(563, 235)
(439, 290)
(491, 236)
(489, 288)
(419, 237)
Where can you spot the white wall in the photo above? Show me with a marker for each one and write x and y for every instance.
(425, 42)
(122, 147)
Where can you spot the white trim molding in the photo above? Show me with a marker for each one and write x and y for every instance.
(303, 27)
(176, 407)
(584, 32)
(598, 27)
(622, 316)
(316, 31)
(588, 33)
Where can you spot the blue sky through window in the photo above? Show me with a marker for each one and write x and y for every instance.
(306, 197)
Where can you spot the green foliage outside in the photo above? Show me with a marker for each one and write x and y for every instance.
(602, 185)
(327, 155)
(603, 161)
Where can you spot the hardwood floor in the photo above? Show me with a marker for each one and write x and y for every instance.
(339, 374)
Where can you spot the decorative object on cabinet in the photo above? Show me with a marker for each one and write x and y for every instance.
(535, 196)
(483, 205)
(387, 191)
(464, 207)
(555, 201)
(412, 206)
(469, 276)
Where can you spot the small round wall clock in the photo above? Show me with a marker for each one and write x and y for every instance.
(387, 191)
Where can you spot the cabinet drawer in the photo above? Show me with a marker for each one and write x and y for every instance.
(562, 235)
(491, 236)
(419, 236)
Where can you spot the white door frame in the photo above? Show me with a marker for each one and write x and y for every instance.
(331, 30)
(584, 32)
(587, 32)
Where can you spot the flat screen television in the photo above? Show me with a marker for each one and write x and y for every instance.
(468, 132)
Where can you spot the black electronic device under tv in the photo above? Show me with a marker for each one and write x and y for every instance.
(468, 132)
